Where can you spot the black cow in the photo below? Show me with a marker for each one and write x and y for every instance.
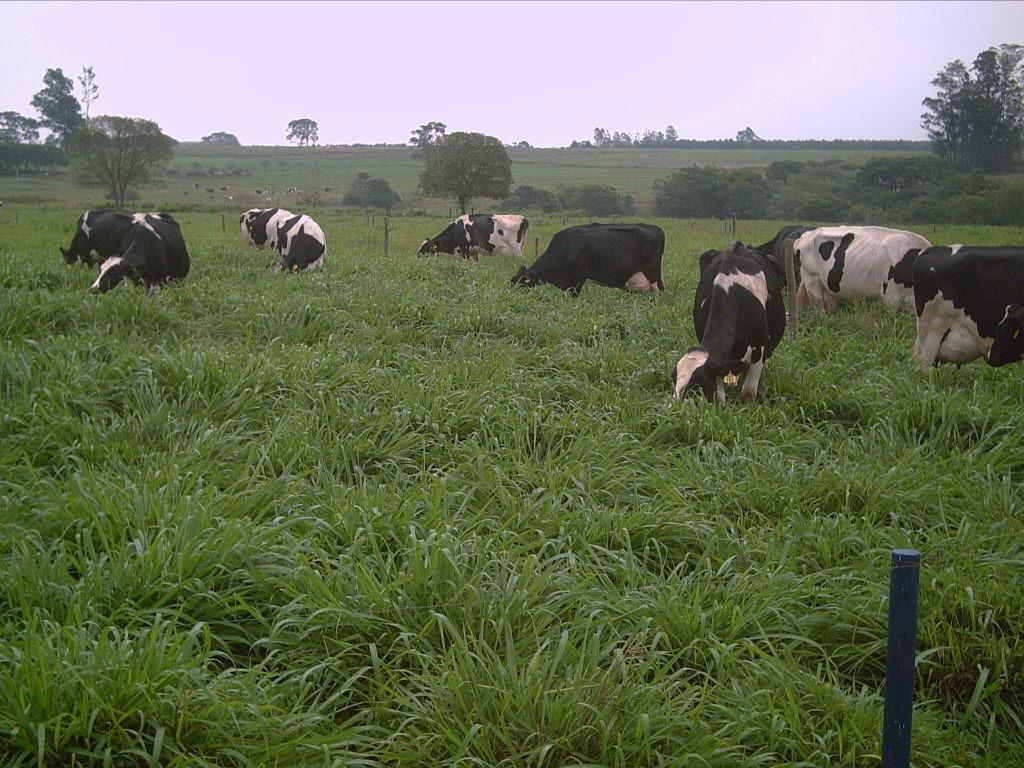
(776, 248)
(739, 317)
(152, 252)
(616, 255)
(480, 232)
(969, 301)
(98, 234)
(300, 244)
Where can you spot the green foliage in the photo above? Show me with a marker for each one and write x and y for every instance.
(389, 515)
(528, 198)
(701, 192)
(117, 153)
(427, 134)
(781, 170)
(371, 193)
(303, 132)
(594, 200)
(222, 138)
(17, 129)
(465, 166)
(976, 120)
(29, 158)
(57, 106)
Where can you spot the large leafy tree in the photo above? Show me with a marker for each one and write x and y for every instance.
(303, 132)
(976, 120)
(16, 129)
(57, 106)
(465, 166)
(118, 153)
(376, 193)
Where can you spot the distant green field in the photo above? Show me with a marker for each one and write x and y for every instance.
(329, 171)
(396, 513)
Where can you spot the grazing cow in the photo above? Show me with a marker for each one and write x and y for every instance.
(300, 244)
(776, 248)
(969, 303)
(152, 252)
(739, 317)
(616, 255)
(259, 225)
(854, 262)
(480, 232)
(98, 234)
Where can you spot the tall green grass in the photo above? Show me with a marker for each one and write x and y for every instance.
(396, 513)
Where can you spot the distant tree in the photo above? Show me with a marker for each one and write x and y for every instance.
(902, 178)
(671, 135)
(427, 134)
(465, 166)
(57, 106)
(118, 152)
(747, 136)
(374, 193)
(29, 158)
(595, 200)
(525, 197)
(15, 128)
(523, 145)
(220, 137)
(976, 120)
(601, 137)
(701, 192)
(584, 144)
(781, 170)
(303, 132)
(90, 91)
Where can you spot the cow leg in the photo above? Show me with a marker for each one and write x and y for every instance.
(929, 337)
(751, 380)
(720, 390)
(802, 299)
(831, 305)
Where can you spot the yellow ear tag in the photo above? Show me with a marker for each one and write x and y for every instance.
(731, 379)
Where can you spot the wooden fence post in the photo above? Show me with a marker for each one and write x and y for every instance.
(223, 224)
(386, 236)
(734, 225)
(536, 246)
(790, 267)
(904, 580)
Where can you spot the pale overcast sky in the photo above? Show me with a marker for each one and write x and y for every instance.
(542, 72)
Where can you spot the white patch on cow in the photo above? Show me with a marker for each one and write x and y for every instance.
(748, 356)
(686, 366)
(720, 391)
(94, 254)
(317, 264)
(85, 223)
(113, 261)
(508, 225)
(753, 284)
(940, 318)
(865, 265)
(140, 218)
(639, 283)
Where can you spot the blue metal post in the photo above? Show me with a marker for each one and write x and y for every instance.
(904, 579)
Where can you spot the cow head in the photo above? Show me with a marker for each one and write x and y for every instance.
(1008, 346)
(69, 255)
(113, 271)
(691, 375)
(525, 278)
(427, 247)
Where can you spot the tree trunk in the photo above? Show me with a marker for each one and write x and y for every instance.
(463, 202)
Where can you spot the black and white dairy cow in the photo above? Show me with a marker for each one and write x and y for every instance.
(480, 232)
(838, 264)
(259, 226)
(152, 252)
(300, 244)
(739, 317)
(98, 234)
(616, 255)
(969, 302)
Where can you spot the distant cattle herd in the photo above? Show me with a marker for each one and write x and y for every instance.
(969, 300)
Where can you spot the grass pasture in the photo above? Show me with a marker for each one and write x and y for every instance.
(397, 514)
